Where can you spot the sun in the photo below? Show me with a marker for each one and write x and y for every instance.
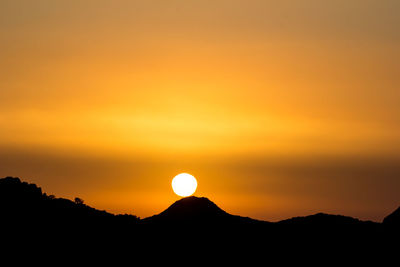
(184, 184)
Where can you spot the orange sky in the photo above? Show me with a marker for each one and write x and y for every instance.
(279, 108)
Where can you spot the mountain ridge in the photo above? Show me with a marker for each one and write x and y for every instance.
(22, 199)
(22, 202)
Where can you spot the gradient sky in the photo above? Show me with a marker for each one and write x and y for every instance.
(279, 108)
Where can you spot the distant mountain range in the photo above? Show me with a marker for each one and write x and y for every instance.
(21, 199)
(26, 210)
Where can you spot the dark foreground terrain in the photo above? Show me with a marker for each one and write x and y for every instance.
(33, 220)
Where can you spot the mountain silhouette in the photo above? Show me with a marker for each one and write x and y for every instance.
(25, 204)
(322, 219)
(21, 200)
(197, 210)
(29, 214)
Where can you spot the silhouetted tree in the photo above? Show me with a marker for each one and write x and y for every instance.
(78, 201)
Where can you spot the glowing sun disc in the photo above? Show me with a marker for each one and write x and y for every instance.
(184, 184)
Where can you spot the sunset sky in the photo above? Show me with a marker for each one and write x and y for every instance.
(278, 108)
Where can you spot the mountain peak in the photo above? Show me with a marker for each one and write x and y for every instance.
(194, 206)
(197, 210)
